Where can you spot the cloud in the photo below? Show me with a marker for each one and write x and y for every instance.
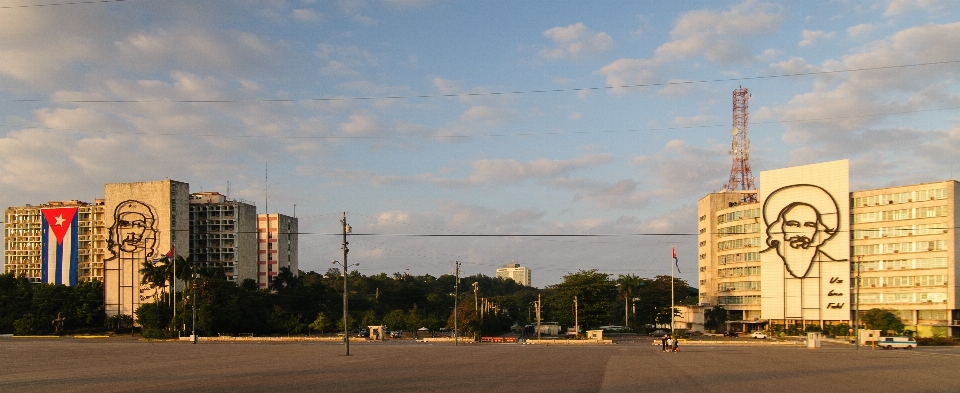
(811, 37)
(362, 124)
(861, 30)
(694, 121)
(719, 36)
(575, 41)
(409, 3)
(857, 108)
(510, 171)
(306, 15)
(901, 7)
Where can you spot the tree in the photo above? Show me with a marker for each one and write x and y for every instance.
(883, 320)
(715, 318)
(596, 298)
(627, 285)
(321, 324)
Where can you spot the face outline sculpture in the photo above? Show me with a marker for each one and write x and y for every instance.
(799, 230)
(133, 229)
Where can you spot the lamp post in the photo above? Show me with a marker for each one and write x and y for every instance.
(856, 302)
(346, 327)
(456, 295)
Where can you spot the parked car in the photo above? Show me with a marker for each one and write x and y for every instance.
(396, 334)
(896, 342)
(658, 333)
(730, 333)
(758, 334)
(363, 333)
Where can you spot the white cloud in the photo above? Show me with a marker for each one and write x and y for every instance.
(306, 15)
(853, 106)
(861, 30)
(575, 41)
(900, 7)
(362, 124)
(509, 171)
(719, 36)
(811, 37)
(694, 121)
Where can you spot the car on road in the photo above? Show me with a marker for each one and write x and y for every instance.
(758, 334)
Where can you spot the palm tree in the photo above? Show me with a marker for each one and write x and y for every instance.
(628, 284)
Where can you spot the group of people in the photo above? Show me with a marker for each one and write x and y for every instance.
(670, 344)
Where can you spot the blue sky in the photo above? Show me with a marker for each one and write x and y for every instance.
(473, 118)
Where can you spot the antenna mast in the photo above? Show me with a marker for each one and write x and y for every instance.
(740, 174)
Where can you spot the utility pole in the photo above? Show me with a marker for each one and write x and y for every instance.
(346, 327)
(576, 315)
(538, 317)
(476, 306)
(856, 301)
(456, 295)
(193, 289)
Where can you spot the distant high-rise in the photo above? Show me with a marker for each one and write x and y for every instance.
(223, 235)
(277, 246)
(515, 272)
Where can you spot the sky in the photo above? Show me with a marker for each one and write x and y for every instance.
(472, 131)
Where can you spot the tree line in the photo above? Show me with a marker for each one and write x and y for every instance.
(312, 303)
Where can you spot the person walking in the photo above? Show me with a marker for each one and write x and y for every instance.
(663, 343)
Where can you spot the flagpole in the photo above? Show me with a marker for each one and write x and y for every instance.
(173, 262)
(672, 269)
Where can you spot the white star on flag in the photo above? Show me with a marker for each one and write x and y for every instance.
(60, 220)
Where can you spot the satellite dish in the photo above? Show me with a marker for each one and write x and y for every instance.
(734, 130)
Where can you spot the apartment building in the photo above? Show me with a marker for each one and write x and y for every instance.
(277, 246)
(515, 272)
(904, 251)
(765, 263)
(25, 248)
(223, 235)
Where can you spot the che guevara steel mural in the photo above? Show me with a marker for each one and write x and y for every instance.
(801, 220)
(132, 241)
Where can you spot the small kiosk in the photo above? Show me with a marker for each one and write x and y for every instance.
(376, 332)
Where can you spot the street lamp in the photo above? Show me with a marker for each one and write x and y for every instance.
(346, 327)
(856, 301)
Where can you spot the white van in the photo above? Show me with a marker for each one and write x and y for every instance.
(896, 342)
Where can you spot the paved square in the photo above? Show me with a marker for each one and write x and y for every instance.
(125, 364)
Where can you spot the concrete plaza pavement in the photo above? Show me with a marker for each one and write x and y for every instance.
(127, 364)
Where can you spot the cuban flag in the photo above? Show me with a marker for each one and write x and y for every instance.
(675, 261)
(58, 238)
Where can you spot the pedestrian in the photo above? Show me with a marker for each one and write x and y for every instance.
(669, 342)
(676, 345)
(663, 343)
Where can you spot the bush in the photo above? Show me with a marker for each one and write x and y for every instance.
(937, 341)
(158, 333)
(25, 326)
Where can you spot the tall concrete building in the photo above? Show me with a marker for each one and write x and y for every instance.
(515, 272)
(223, 235)
(729, 255)
(278, 245)
(33, 235)
(792, 259)
(145, 220)
(904, 244)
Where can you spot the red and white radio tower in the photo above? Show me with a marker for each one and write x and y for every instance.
(740, 175)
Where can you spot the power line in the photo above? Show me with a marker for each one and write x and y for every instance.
(529, 133)
(517, 92)
(58, 4)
